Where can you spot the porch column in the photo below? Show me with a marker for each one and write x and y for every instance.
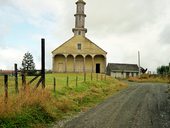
(53, 64)
(65, 63)
(105, 65)
(93, 64)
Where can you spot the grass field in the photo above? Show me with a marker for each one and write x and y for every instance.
(28, 109)
(61, 80)
(150, 78)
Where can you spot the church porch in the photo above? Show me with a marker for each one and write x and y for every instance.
(79, 63)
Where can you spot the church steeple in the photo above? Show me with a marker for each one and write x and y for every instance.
(80, 19)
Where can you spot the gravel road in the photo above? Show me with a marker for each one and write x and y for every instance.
(139, 106)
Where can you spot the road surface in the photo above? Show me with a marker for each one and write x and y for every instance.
(143, 105)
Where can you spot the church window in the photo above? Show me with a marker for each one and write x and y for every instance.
(79, 46)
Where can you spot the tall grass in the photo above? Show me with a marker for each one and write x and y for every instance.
(36, 109)
(150, 78)
(26, 109)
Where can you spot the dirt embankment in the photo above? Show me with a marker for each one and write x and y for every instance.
(139, 106)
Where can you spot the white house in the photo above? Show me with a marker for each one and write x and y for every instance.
(118, 70)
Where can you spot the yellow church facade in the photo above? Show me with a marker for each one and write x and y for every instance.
(79, 54)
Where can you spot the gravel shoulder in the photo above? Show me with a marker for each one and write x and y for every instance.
(144, 105)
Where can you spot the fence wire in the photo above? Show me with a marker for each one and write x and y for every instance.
(62, 80)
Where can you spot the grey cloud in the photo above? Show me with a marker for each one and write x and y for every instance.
(4, 30)
(121, 27)
(4, 2)
(124, 15)
(165, 35)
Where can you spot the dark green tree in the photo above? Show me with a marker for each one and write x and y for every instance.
(163, 70)
(28, 64)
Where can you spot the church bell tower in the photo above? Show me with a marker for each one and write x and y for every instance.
(80, 19)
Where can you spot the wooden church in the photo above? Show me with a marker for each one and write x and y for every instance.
(79, 54)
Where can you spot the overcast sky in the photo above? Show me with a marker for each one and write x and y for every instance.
(120, 27)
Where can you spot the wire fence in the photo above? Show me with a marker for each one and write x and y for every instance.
(53, 81)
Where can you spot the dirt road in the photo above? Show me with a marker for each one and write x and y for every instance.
(139, 106)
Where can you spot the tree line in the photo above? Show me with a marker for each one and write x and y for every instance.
(163, 70)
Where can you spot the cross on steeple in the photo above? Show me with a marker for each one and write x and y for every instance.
(80, 19)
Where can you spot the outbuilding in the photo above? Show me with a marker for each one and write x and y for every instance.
(120, 70)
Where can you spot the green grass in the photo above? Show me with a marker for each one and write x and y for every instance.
(29, 116)
(61, 80)
(28, 109)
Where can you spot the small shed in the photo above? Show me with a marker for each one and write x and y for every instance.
(119, 70)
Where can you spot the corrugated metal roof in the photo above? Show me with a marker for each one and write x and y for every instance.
(123, 67)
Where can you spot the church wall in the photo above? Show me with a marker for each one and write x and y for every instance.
(70, 47)
(99, 59)
(79, 63)
(59, 63)
(88, 64)
(70, 63)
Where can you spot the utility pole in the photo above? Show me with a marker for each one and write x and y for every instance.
(139, 63)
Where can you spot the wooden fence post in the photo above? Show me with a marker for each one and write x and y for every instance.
(6, 88)
(16, 78)
(97, 76)
(43, 62)
(54, 85)
(84, 77)
(76, 81)
(101, 77)
(23, 81)
(67, 81)
(91, 76)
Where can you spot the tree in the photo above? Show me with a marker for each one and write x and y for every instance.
(163, 70)
(28, 64)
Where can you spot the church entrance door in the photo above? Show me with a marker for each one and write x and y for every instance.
(97, 68)
(79, 66)
(60, 67)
